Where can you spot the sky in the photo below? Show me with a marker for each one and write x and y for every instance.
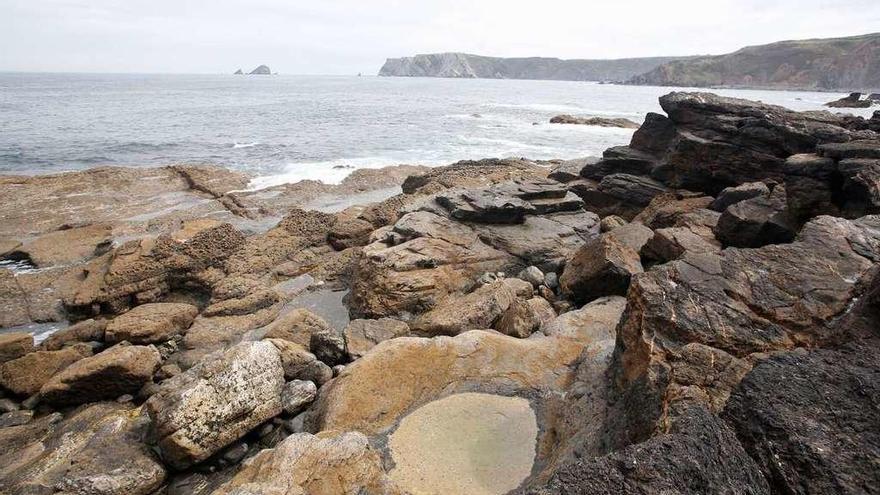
(351, 36)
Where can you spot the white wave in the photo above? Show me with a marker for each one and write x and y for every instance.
(244, 145)
(328, 172)
(571, 108)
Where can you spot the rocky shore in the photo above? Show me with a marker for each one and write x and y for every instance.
(697, 312)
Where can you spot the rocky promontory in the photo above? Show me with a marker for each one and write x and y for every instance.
(697, 312)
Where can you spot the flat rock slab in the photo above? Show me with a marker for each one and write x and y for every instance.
(475, 443)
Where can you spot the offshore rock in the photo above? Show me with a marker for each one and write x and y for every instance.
(596, 121)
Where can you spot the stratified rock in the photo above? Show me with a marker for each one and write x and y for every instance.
(737, 302)
(867, 148)
(698, 455)
(757, 222)
(15, 345)
(121, 369)
(620, 160)
(240, 295)
(602, 267)
(808, 418)
(83, 331)
(199, 412)
(569, 170)
(68, 246)
(100, 449)
(296, 395)
(731, 195)
(27, 374)
(597, 121)
(329, 463)
(485, 206)
(363, 335)
(151, 323)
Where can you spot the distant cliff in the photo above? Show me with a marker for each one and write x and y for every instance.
(844, 64)
(462, 65)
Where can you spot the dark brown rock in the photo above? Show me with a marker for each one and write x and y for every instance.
(602, 267)
(757, 222)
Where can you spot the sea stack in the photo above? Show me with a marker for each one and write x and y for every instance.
(239, 72)
(262, 70)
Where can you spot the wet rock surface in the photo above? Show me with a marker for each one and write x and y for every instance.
(696, 312)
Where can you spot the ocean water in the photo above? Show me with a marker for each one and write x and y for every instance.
(288, 128)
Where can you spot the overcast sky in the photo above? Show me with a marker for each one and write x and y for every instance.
(350, 36)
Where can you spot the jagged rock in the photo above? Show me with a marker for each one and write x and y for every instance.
(739, 301)
(665, 210)
(328, 463)
(698, 455)
(806, 416)
(297, 325)
(300, 364)
(672, 243)
(853, 100)
(757, 222)
(121, 369)
(731, 195)
(861, 186)
(151, 323)
(620, 160)
(655, 135)
(428, 258)
(66, 246)
(197, 413)
(84, 331)
(27, 374)
(363, 335)
(524, 317)
(480, 309)
(239, 72)
(99, 449)
(15, 345)
(595, 321)
(602, 267)
(296, 395)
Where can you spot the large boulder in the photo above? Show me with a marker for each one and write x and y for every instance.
(480, 309)
(197, 413)
(121, 369)
(27, 374)
(733, 304)
(809, 419)
(698, 455)
(602, 267)
(329, 463)
(100, 449)
(757, 222)
(151, 323)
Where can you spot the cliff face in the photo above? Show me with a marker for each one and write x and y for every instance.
(826, 64)
(463, 65)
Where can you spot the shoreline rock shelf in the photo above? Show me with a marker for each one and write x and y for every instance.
(689, 304)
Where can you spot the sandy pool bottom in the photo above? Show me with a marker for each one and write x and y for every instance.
(480, 444)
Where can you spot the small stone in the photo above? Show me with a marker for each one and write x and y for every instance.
(296, 395)
(611, 222)
(122, 399)
(296, 425)
(338, 369)
(532, 275)
(551, 280)
(235, 453)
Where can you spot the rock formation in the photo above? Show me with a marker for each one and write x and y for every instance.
(261, 70)
(696, 312)
(597, 121)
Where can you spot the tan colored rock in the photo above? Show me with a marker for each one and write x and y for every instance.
(218, 333)
(100, 450)
(70, 245)
(481, 308)
(363, 335)
(151, 323)
(300, 364)
(120, 370)
(522, 318)
(297, 326)
(363, 398)
(330, 463)
(83, 331)
(197, 413)
(349, 233)
(14, 345)
(597, 321)
(27, 374)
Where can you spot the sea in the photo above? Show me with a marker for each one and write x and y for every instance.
(288, 128)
